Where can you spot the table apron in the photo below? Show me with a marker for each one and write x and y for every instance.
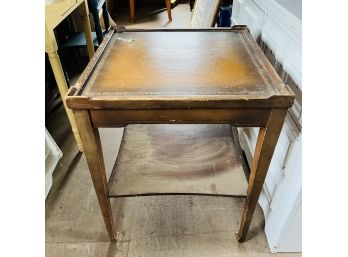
(239, 117)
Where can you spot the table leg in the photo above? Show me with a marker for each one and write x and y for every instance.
(169, 10)
(63, 88)
(94, 155)
(192, 2)
(265, 145)
(83, 8)
(131, 10)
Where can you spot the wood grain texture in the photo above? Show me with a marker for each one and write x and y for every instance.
(235, 117)
(181, 63)
(265, 146)
(179, 76)
(177, 159)
(94, 155)
(151, 226)
(170, 102)
(169, 10)
(131, 10)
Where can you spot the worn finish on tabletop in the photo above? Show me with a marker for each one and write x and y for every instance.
(177, 76)
(211, 68)
(178, 64)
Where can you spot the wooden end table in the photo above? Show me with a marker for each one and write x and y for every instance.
(170, 82)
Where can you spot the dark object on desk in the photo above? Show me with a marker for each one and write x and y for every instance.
(224, 79)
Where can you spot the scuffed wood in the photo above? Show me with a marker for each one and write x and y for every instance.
(265, 146)
(235, 117)
(165, 68)
(94, 155)
(180, 76)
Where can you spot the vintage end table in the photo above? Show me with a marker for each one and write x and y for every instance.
(177, 93)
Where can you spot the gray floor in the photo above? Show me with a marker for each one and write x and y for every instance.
(153, 16)
(146, 226)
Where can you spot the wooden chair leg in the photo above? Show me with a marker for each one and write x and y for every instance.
(131, 10)
(192, 2)
(265, 145)
(169, 10)
(91, 142)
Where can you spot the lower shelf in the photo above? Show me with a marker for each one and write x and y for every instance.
(177, 159)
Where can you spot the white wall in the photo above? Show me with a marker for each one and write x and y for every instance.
(279, 32)
(293, 6)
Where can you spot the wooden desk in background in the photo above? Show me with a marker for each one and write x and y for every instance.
(179, 77)
(55, 12)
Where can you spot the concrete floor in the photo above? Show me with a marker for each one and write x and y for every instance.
(146, 226)
(153, 16)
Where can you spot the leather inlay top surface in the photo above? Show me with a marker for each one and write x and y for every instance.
(184, 63)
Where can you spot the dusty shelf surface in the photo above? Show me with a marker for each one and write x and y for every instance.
(178, 159)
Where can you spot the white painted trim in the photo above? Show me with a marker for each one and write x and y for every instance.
(52, 156)
(281, 31)
(282, 23)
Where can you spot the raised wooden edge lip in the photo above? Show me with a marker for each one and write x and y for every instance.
(278, 83)
(75, 100)
(82, 81)
(177, 102)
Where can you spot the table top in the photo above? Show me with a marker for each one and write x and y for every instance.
(183, 68)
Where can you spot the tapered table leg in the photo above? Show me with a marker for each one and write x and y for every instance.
(131, 10)
(63, 89)
(169, 10)
(91, 143)
(265, 145)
